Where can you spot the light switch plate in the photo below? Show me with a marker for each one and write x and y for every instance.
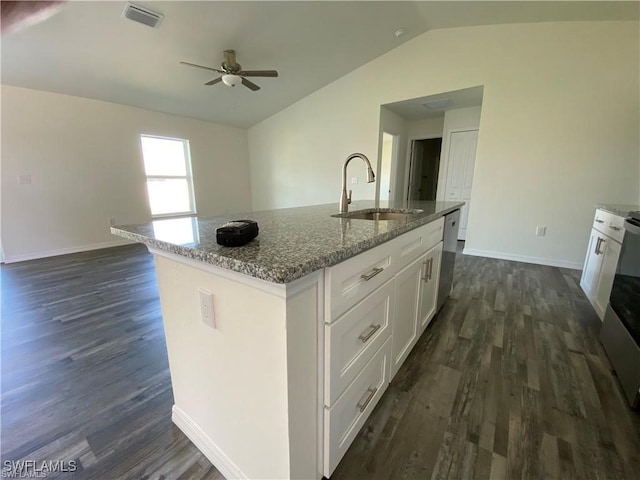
(24, 179)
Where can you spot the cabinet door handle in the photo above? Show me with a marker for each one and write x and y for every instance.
(599, 221)
(598, 245)
(368, 396)
(366, 336)
(425, 277)
(429, 263)
(373, 273)
(602, 240)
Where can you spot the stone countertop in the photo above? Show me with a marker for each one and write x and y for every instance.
(621, 210)
(292, 242)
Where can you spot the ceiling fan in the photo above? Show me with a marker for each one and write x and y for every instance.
(232, 73)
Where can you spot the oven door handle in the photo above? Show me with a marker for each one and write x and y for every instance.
(632, 226)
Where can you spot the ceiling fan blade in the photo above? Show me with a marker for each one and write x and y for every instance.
(214, 81)
(249, 84)
(202, 66)
(230, 58)
(258, 73)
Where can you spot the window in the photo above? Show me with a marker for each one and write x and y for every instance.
(182, 231)
(167, 164)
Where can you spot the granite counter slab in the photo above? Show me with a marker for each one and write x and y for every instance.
(292, 243)
(620, 210)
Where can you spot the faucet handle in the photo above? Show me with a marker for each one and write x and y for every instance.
(349, 197)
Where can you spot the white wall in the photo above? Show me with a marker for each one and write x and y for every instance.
(559, 130)
(393, 124)
(86, 167)
(425, 128)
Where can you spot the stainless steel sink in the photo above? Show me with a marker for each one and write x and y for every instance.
(378, 214)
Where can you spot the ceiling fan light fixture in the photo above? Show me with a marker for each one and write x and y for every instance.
(231, 80)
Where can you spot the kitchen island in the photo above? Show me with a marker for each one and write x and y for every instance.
(307, 325)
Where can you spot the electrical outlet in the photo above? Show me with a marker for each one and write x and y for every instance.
(206, 308)
(112, 221)
(24, 179)
(354, 180)
(541, 231)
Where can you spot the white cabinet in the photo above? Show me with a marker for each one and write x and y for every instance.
(344, 419)
(602, 259)
(430, 282)
(405, 319)
(354, 338)
(322, 350)
(376, 306)
(350, 281)
(416, 303)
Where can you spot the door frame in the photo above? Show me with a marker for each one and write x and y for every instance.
(407, 173)
(393, 174)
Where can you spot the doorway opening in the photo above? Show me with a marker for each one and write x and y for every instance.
(388, 162)
(424, 169)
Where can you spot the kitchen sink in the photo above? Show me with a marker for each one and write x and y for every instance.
(378, 214)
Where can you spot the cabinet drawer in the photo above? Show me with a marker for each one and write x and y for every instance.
(350, 281)
(609, 224)
(343, 420)
(354, 338)
(413, 244)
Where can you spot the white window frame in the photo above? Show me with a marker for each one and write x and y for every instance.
(188, 177)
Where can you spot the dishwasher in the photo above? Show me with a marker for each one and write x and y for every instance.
(449, 246)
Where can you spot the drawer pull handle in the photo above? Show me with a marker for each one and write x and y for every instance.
(599, 221)
(366, 336)
(362, 404)
(613, 227)
(369, 276)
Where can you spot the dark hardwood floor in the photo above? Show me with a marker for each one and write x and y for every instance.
(84, 369)
(509, 381)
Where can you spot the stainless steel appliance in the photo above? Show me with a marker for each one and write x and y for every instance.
(450, 243)
(620, 334)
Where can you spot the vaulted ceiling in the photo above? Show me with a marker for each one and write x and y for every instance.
(89, 50)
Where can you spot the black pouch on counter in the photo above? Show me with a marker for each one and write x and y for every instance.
(236, 233)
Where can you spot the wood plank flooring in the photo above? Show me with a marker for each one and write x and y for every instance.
(509, 381)
(85, 375)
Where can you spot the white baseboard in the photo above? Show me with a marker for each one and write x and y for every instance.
(207, 446)
(522, 258)
(66, 251)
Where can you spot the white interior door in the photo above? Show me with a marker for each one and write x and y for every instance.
(460, 165)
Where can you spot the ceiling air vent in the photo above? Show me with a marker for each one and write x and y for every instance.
(142, 15)
(438, 104)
